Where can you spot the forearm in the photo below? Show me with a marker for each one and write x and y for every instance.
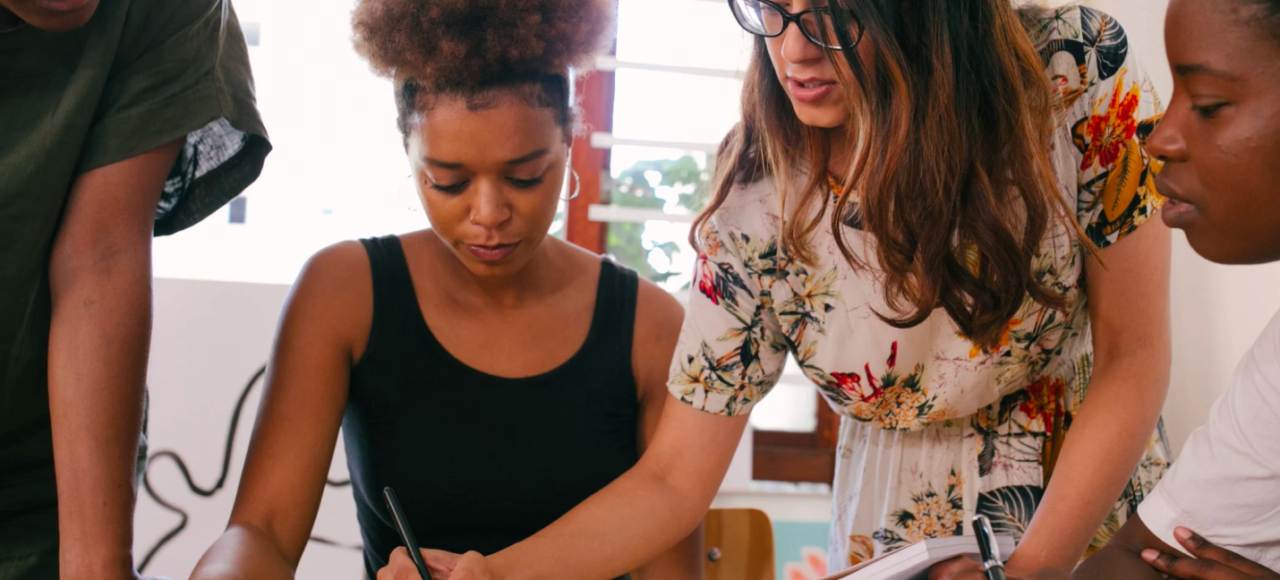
(243, 553)
(98, 343)
(626, 524)
(684, 561)
(1116, 563)
(1108, 438)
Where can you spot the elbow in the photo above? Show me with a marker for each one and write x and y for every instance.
(244, 551)
(687, 501)
(98, 267)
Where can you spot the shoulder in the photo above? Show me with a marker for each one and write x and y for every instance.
(150, 24)
(1082, 48)
(333, 295)
(1258, 378)
(750, 209)
(1076, 24)
(658, 315)
(336, 262)
(1269, 342)
(658, 319)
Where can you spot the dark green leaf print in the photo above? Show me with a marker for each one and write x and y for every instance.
(1106, 40)
(1010, 508)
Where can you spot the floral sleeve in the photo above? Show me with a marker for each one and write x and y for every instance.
(730, 352)
(1117, 192)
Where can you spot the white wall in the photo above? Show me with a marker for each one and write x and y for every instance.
(208, 340)
(1218, 311)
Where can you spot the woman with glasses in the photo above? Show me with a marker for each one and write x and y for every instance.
(941, 209)
(937, 208)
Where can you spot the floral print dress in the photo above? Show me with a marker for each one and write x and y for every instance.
(934, 429)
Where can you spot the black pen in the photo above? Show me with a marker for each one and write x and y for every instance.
(988, 549)
(406, 534)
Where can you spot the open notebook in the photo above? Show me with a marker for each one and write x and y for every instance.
(913, 562)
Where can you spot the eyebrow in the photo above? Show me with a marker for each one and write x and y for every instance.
(517, 161)
(1184, 70)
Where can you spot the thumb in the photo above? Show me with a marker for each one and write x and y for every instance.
(471, 566)
(440, 562)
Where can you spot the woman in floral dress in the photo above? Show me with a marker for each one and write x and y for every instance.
(941, 209)
(937, 426)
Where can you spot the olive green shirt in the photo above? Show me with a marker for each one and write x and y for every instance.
(140, 74)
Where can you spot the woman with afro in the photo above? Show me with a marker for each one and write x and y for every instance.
(493, 375)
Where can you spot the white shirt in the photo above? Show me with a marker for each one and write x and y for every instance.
(1226, 484)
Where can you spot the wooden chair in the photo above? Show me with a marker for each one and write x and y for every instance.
(739, 545)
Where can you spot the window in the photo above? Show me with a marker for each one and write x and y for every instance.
(656, 112)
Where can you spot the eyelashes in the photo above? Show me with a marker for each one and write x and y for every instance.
(461, 186)
(1209, 111)
(450, 189)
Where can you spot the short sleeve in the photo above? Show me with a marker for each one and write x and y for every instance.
(182, 72)
(1117, 192)
(1224, 486)
(730, 353)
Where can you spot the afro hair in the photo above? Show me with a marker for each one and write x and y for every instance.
(468, 45)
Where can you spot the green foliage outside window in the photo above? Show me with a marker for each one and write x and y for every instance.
(638, 186)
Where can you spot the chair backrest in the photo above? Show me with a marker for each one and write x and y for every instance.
(739, 545)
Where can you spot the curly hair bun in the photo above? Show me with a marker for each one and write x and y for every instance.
(478, 43)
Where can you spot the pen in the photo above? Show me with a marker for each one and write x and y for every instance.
(988, 549)
(406, 534)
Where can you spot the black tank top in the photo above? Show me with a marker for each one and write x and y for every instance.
(482, 462)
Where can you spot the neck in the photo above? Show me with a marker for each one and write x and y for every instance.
(537, 278)
(841, 141)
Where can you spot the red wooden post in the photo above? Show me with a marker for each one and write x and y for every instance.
(596, 98)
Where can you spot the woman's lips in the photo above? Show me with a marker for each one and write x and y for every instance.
(64, 6)
(810, 91)
(492, 254)
(1177, 213)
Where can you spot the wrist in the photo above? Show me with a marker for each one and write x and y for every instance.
(1023, 566)
(494, 566)
(95, 564)
(85, 572)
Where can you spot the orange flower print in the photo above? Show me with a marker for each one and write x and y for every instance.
(712, 245)
(1004, 338)
(1105, 134)
(861, 549)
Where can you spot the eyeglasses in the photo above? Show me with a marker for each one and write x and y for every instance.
(764, 18)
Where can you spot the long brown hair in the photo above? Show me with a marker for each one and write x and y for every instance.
(952, 119)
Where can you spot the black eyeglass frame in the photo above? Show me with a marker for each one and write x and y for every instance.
(788, 18)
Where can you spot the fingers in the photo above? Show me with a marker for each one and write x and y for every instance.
(471, 566)
(1202, 548)
(1191, 568)
(399, 567)
(439, 562)
(958, 568)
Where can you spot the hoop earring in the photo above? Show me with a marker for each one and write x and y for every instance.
(577, 185)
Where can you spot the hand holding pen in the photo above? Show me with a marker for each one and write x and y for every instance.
(408, 563)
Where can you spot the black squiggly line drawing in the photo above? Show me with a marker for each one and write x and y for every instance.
(222, 479)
